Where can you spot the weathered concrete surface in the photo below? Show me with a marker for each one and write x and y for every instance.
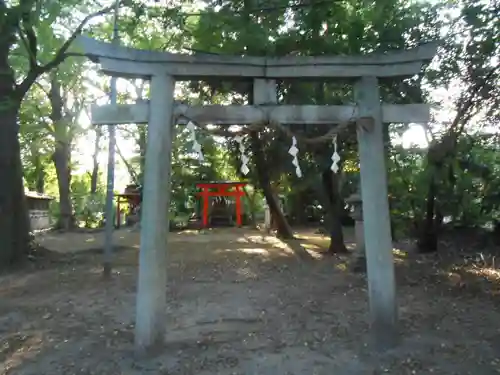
(151, 299)
(129, 62)
(377, 225)
(251, 114)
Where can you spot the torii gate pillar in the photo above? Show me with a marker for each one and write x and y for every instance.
(377, 223)
(151, 295)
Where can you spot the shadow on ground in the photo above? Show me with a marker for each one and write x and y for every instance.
(239, 303)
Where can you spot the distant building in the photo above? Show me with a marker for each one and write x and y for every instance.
(38, 209)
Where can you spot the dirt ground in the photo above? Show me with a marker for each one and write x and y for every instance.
(240, 302)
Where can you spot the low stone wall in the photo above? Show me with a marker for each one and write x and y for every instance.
(39, 219)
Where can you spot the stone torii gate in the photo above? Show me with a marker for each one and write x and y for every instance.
(163, 69)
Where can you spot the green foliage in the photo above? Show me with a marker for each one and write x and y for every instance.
(88, 208)
(468, 177)
(187, 170)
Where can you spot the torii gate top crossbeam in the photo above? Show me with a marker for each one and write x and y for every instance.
(135, 63)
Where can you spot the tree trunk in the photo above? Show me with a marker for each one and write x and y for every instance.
(37, 181)
(251, 203)
(40, 177)
(14, 221)
(61, 156)
(142, 151)
(331, 185)
(428, 238)
(496, 232)
(95, 162)
(62, 163)
(299, 209)
(283, 228)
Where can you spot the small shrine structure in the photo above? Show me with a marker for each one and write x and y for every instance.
(132, 197)
(38, 210)
(210, 206)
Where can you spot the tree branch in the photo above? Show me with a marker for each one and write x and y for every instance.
(465, 105)
(129, 167)
(36, 70)
(31, 39)
(45, 124)
(62, 54)
(408, 184)
(28, 46)
(42, 88)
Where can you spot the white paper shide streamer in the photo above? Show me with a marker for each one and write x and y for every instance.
(335, 157)
(243, 156)
(196, 148)
(294, 150)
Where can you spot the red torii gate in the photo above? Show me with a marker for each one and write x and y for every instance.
(222, 189)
